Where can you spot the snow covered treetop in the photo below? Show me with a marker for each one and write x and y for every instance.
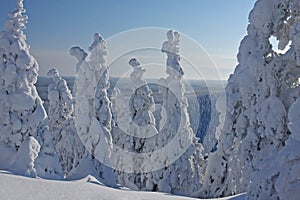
(97, 41)
(79, 54)
(171, 48)
(98, 51)
(137, 74)
(274, 18)
(17, 19)
(53, 73)
(172, 44)
(134, 63)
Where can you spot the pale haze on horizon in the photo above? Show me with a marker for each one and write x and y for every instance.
(54, 26)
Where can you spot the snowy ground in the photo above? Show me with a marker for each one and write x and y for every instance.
(19, 187)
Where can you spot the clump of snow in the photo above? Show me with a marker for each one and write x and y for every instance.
(171, 48)
(47, 164)
(79, 54)
(24, 161)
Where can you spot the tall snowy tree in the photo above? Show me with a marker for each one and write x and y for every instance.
(60, 100)
(184, 165)
(21, 107)
(67, 144)
(139, 121)
(23, 117)
(92, 109)
(141, 103)
(259, 93)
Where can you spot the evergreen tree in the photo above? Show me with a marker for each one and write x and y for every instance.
(259, 93)
(183, 172)
(67, 144)
(139, 121)
(92, 109)
(21, 108)
(60, 100)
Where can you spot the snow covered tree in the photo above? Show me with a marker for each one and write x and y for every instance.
(141, 102)
(184, 174)
(139, 121)
(24, 161)
(60, 100)
(21, 107)
(92, 109)
(47, 163)
(67, 144)
(259, 93)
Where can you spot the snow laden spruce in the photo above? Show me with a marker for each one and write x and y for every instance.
(93, 109)
(137, 120)
(22, 112)
(176, 133)
(252, 154)
(66, 142)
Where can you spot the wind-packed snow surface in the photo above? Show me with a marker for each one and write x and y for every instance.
(13, 187)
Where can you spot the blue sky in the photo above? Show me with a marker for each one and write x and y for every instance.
(57, 25)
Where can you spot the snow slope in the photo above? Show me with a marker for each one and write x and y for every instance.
(19, 187)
